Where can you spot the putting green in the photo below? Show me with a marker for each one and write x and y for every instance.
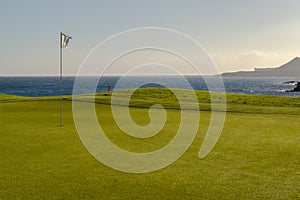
(257, 156)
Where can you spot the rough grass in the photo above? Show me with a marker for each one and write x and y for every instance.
(257, 156)
(240, 103)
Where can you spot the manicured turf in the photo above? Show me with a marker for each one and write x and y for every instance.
(257, 156)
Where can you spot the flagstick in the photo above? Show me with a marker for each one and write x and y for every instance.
(61, 71)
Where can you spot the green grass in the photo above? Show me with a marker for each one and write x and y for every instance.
(257, 156)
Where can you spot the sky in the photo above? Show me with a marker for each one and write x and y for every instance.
(236, 34)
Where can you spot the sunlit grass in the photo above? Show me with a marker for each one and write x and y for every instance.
(257, 156)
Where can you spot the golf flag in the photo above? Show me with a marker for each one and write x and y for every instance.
(64, 40)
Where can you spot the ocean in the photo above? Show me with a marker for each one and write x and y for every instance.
(49, 85)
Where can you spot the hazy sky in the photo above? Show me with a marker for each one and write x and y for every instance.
(237, 34)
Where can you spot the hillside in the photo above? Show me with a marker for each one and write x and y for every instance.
(290, 69)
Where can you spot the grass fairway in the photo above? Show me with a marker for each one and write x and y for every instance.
(257, 156)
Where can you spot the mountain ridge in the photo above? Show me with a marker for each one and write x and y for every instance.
(289, 69)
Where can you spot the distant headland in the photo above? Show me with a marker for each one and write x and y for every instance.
(290, 69)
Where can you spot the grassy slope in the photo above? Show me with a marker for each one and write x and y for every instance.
(257, 156)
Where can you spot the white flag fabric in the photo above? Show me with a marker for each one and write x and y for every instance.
(65, 40)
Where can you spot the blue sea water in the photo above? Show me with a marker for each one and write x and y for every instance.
(50, 86)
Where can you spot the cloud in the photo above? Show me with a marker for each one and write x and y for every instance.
(257, 53)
